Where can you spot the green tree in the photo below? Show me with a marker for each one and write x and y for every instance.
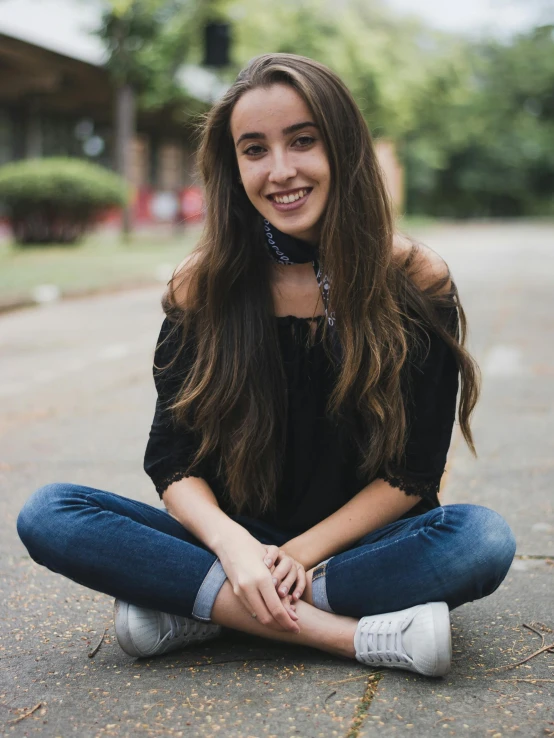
(472, 120)
(482, 143)
(383, 60)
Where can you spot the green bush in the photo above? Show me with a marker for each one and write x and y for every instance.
(56, 200)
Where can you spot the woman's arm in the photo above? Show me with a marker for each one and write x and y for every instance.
(432, 377)
(192, 502)
(373, 507)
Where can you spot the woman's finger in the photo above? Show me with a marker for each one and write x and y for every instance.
(254, 603)
(300, 583)
(272, 553)
(282, 570)
(290, 605)
(275, 606)
(288, 582)
(262, 600)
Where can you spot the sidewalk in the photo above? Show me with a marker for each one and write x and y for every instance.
(77, 400)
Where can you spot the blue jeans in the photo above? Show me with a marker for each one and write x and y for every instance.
(139, 553)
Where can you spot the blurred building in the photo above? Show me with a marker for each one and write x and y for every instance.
(52, 104)
(57, 99)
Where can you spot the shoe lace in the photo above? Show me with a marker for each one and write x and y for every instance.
(383, 641)
(179, 626)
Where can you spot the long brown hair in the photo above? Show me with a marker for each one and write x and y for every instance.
(234, 391)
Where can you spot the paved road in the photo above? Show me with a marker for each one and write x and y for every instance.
(77, 398)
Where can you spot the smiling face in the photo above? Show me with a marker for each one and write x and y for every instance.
(282, 159)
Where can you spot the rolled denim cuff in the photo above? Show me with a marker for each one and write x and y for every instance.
(319, 587)
(209, 589)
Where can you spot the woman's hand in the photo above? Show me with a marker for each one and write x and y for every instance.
(286, 572)
(243, 563)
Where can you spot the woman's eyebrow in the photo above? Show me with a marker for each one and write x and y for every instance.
(285, 131)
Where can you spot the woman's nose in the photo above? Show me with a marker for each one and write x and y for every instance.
(282, 168)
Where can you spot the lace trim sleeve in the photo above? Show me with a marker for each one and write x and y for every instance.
(425, 487)
(162, 483)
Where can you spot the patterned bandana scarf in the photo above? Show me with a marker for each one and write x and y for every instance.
(286, 249)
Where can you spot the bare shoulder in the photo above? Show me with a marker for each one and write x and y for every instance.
(425, 266)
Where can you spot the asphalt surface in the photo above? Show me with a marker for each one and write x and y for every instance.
(77, 399)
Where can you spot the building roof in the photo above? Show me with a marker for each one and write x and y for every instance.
(63, 26)
(66, 28)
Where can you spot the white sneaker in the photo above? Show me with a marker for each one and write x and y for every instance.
(416, 639)
(142, 632)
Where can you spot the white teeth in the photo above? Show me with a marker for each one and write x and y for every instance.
(290, 198)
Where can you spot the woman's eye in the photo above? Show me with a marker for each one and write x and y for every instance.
(250, 150)
(302, 141)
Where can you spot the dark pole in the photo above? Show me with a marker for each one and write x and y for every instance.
(125, 118)
(217, 42)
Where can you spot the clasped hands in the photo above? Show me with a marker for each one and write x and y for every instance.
(258, 574)
(289, 579)
(288, 576)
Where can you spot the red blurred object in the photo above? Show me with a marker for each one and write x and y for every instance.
(141, 206)
(192, 204)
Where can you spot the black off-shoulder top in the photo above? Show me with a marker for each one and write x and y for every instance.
(319, 474)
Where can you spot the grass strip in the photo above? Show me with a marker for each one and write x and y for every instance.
(101, 262)
(364, 704)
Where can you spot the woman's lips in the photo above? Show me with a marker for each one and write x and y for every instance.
(282, 207)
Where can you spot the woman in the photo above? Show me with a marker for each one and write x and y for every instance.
(305, 409)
